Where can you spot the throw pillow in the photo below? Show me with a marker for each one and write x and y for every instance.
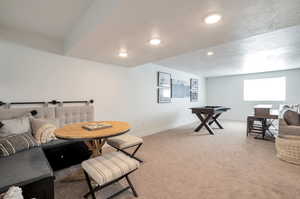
(15, 126)
(285, 109)
(43, 130)
(292, 118)
(15, 143)
(13, 193)
(282, 109)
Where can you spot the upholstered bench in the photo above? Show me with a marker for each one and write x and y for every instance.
(30, 170)
(107, 169)
(124, 142)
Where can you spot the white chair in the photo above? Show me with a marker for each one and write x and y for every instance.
(126, 141)
(108, 169)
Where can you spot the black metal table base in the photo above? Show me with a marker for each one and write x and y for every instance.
(207, 121)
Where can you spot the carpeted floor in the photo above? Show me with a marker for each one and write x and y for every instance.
(181, 164)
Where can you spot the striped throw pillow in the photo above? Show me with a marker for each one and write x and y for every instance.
(15, 143)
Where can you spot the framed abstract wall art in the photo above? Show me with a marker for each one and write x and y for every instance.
(164, 79)
(194, 85)
(164, 95)
(180, 89)
(164, 84)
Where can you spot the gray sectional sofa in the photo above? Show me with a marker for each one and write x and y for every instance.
(30, 170)
(33, 169)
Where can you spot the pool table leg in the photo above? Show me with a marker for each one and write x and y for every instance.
(215, 120)
(204, 122)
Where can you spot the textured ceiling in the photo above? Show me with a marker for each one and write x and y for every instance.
(97, 29)
(52, 18)
(130, 24)
(278, 50)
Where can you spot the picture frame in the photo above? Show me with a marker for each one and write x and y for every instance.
(164, 95)
(164, 79)
(194, 84)
(194, 96)
(194, 89)
(180, 89)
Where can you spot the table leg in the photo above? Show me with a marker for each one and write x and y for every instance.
(204, 122)
(199, 115)
(215, 120)
(96, 146)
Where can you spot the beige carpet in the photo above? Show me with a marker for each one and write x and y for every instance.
(181, 164)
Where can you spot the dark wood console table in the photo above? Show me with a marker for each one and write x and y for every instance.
(265, 115)
(209, 115)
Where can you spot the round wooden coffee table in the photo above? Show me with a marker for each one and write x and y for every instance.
(98, 137)
(95, 139)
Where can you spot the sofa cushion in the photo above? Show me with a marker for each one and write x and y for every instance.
(288, 130)
(110, 166)
(17, 125)
(124, 141)
(42, 112)
(15, 143)
(43, 130)
(292, 118)
(24, 168)
(74, 114)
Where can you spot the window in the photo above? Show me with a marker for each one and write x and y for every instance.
(269, 89)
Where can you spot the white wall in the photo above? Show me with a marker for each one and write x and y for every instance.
(228, 91)
(126, 94)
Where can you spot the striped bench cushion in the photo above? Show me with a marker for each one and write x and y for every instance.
(124, 141)
(109, 167)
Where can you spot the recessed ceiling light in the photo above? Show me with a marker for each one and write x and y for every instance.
(210, 53)
(211, 19)
(123, 54)
(155, 42)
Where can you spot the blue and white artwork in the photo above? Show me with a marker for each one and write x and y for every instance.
(180, 89)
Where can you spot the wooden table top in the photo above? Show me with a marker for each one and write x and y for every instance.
(274, 114)
(75, 131)
(209, 109)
